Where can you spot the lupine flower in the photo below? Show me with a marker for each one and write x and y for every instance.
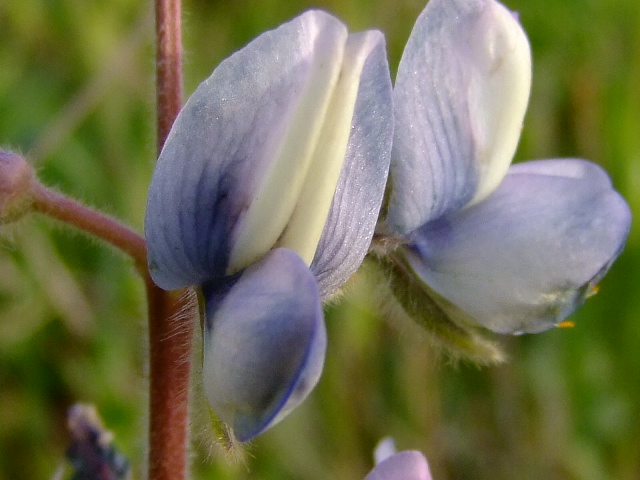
(513, 249)
(91, 451)
(406, 465)
(266, 196)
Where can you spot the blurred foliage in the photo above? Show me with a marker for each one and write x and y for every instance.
(76, 96)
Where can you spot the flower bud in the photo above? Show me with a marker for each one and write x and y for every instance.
(16, 176)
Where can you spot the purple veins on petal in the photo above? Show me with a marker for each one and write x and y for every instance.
(224, 142)
(354, 212)
(287, 144)
(513, 249)
(265, 341)
(266, 194)
(460, 97)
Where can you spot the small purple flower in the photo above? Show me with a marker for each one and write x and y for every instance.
(513, 249)
(406, 465)
(266, 196)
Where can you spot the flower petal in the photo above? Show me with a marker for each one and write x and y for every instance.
(356, 204)
(359, 123)
(408, 465)
(265, 341)
(527, 256)
(460, 97)
(239, 153)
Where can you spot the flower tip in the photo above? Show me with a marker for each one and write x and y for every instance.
(247, 425)
(265, 342)
(283, 395)
(501, 49)
(385, 449)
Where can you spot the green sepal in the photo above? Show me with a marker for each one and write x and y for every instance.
(448, 327)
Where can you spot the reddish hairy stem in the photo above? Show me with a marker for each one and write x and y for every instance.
(168, 65)
(69, 211)
(170, 315)
(171, 325)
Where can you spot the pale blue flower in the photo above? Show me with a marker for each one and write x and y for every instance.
(406, 465)
(266, 195)
(514, 249)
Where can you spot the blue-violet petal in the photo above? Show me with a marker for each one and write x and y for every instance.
(460, 97)
(265, 342)
(253, 122)
(526, 257)
(407, 465)
(356, 204)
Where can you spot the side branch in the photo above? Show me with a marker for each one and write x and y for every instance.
(71, 212)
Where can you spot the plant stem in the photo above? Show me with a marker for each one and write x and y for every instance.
(69, 211)
(168, 66)
(170, 330)
(171, 320)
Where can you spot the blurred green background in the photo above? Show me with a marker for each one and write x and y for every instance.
(77, 97)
